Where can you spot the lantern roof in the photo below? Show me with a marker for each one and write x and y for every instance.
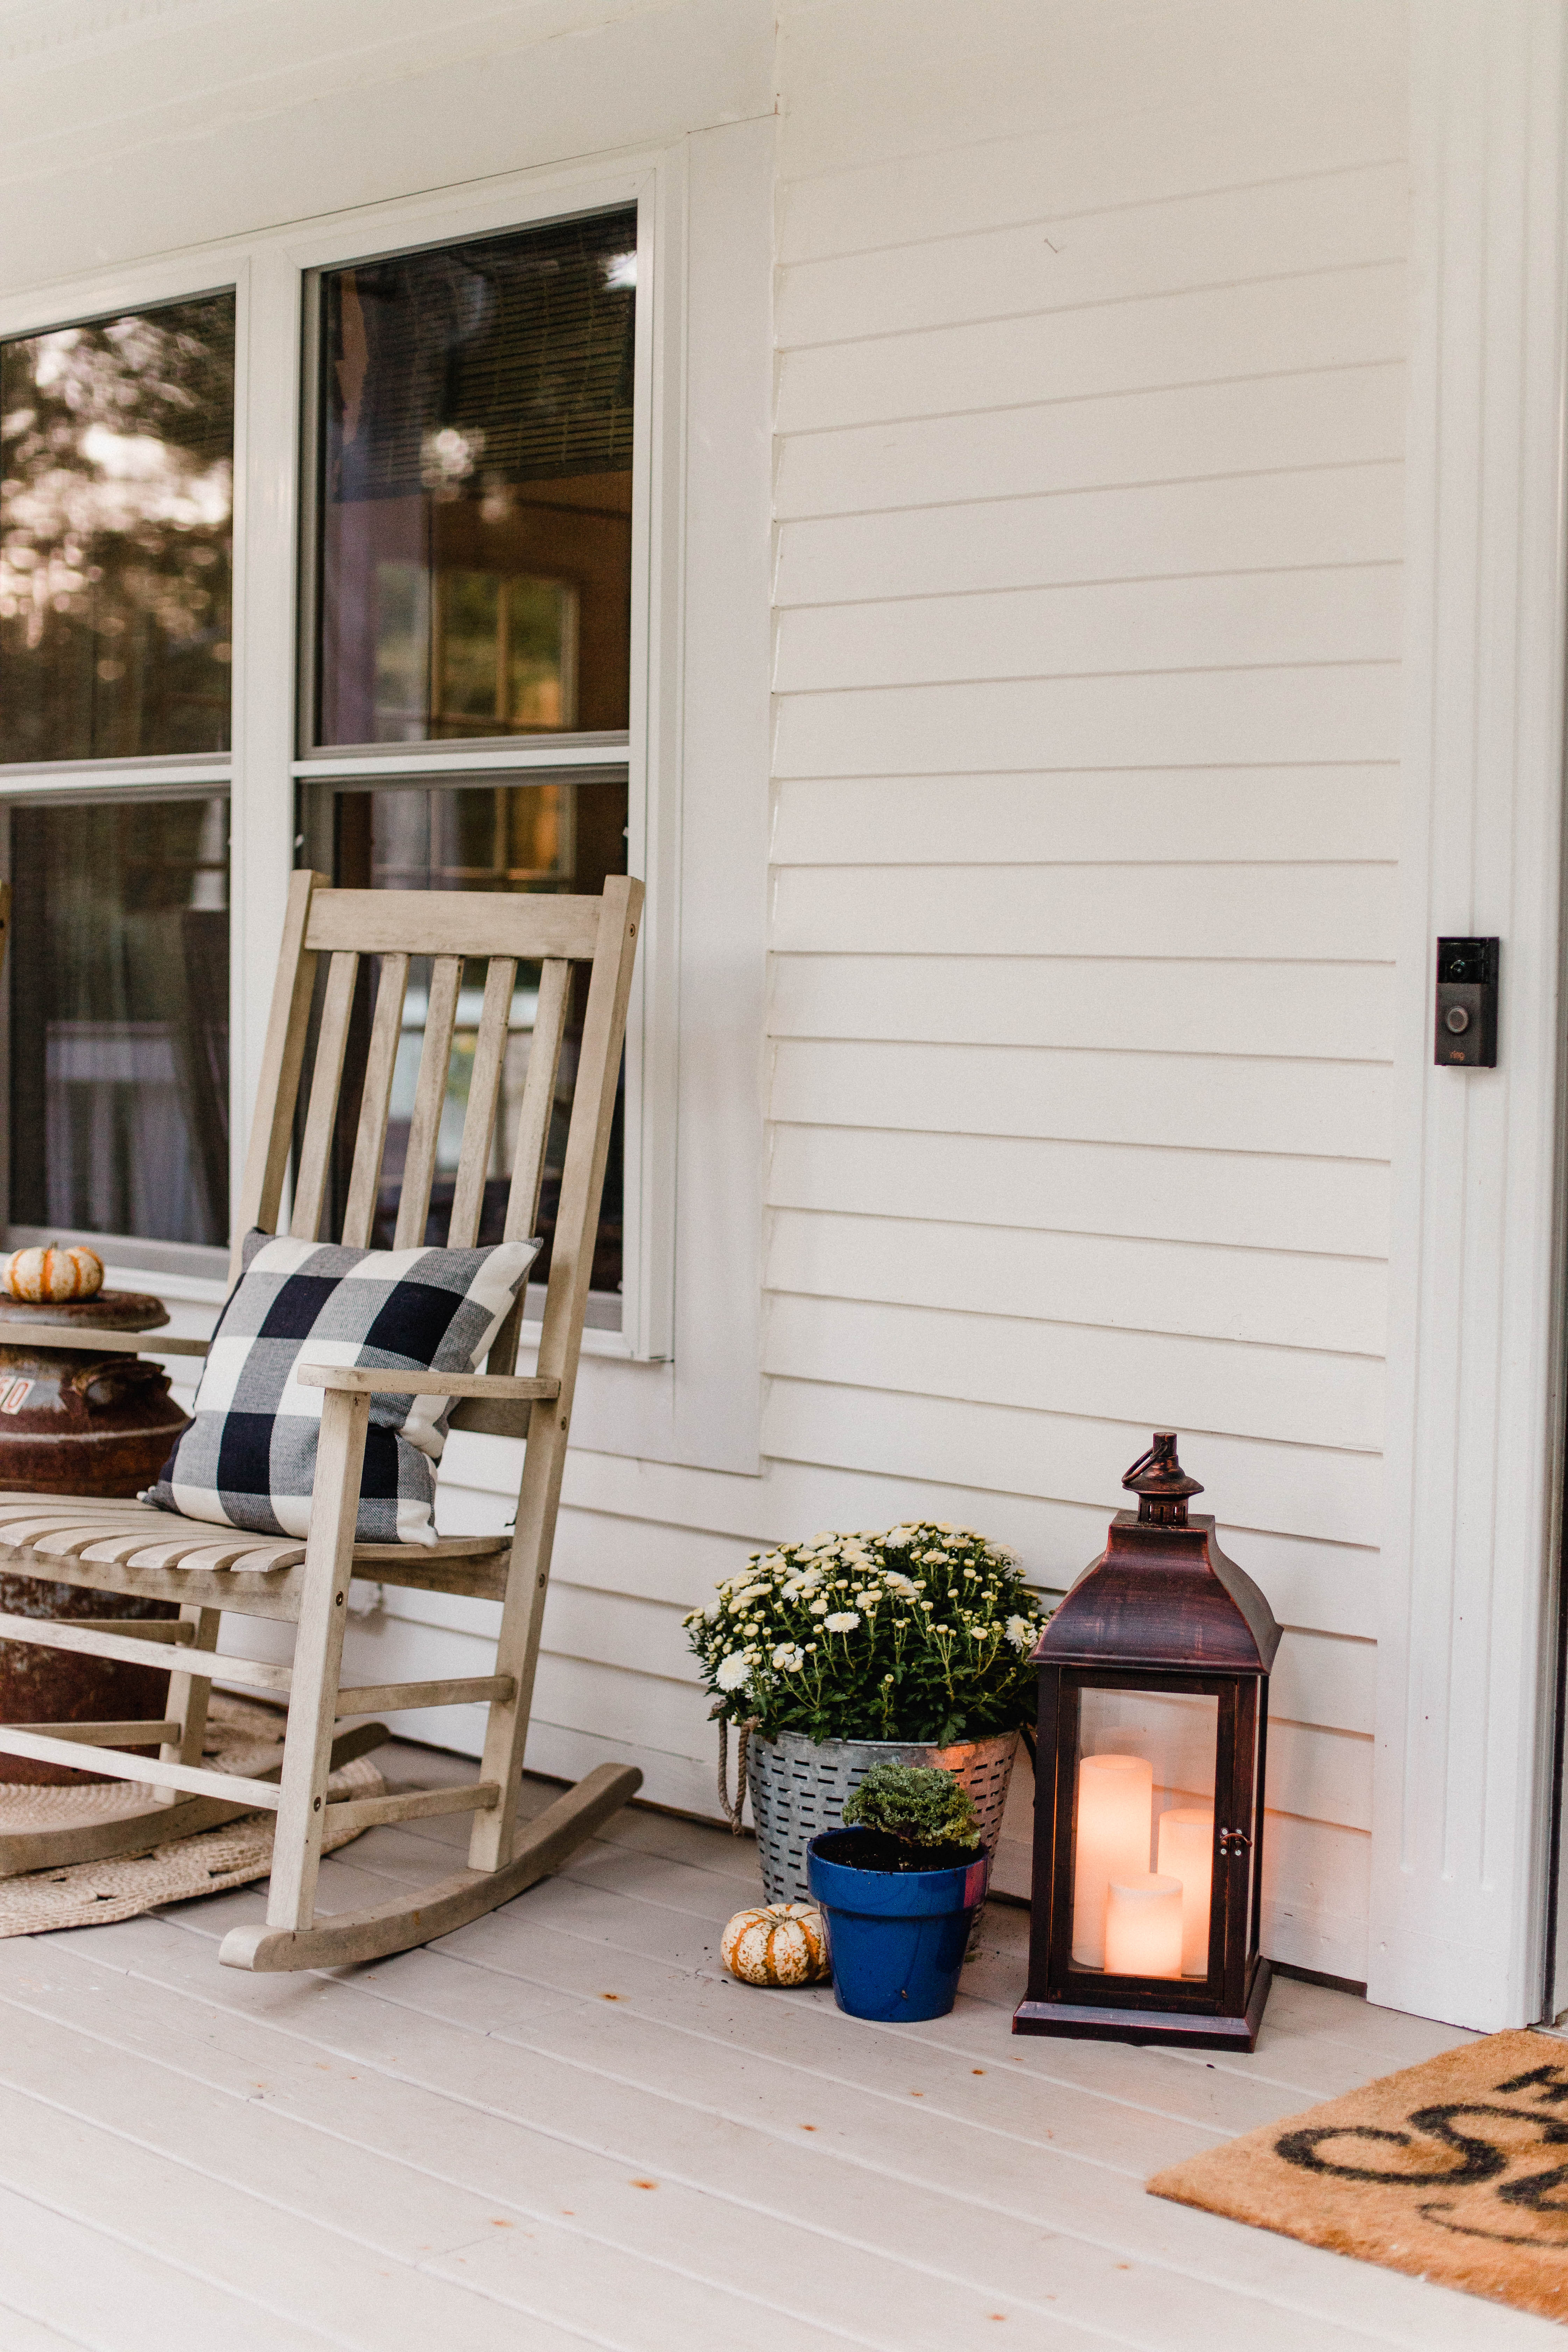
(1163, 1593)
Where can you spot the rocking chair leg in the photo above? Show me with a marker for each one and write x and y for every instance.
(318, 1660)
(493, 1839)
(189, 1694)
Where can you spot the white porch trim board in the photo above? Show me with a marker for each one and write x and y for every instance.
(1462, 1777)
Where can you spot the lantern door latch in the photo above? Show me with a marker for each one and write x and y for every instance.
(1466, 1031)
(1229, 1838)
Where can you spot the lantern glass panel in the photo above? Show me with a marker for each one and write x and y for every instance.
(1143, 1815)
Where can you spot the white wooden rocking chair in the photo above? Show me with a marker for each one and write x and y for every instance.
(125, 1548)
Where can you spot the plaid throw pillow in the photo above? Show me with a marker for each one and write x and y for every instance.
(248, 1459)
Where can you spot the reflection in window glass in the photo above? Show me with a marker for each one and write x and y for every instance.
(475, 561)
(120, 1018)
(556, 834)
(116, 499)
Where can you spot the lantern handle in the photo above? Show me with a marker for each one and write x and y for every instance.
(1160, 1483)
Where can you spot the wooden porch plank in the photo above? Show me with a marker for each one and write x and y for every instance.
(715, 2265)
(414, 2219)
(62, 2263)
(174, 2185)
(486, 2055)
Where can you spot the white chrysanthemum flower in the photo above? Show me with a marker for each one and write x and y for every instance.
(943, 1527)
(843, 1620)
(818, 1609)
(898, 1584)
(788, 1658)
(1020, 1631)
(733, 1671)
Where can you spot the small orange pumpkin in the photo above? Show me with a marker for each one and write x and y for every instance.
(777, 1944)
(52, 1275)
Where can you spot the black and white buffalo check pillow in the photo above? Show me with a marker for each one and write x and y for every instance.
(248, 1459)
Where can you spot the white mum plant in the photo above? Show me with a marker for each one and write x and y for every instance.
(921, 1633)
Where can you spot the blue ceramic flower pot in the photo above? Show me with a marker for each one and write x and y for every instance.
(896, 1939)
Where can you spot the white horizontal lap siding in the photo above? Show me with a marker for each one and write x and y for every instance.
(1091, 329)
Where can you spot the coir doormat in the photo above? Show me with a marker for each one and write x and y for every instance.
(1455, 2170)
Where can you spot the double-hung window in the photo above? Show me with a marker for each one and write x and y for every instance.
(466, 648)
(425, 543)
(465, 565)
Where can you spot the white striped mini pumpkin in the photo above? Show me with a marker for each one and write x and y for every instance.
(51, 1275)
(777, 1944)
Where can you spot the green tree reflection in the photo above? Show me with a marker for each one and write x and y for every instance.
(116, 505)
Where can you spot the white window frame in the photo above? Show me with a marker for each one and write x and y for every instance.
(680, 1381)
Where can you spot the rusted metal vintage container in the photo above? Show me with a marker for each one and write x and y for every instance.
(78, 1422)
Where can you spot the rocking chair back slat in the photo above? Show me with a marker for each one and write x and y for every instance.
(282, 1058)
(537, 1099)
(429, 1101)
(375, 1102)
(326, 1083)
(533, 1134)
(484, 1093)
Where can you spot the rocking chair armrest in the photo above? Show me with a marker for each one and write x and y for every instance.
(366, 1380)
(83, 1340)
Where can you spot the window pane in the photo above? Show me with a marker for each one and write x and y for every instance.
(1143, 1812)
(116, 499)
(120, 1018)
(557, 835)
(475, 493)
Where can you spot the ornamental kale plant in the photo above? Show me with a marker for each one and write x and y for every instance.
(918, 1804)
(920, 1634)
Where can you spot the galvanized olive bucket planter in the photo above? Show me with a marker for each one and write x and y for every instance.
(798, 1787)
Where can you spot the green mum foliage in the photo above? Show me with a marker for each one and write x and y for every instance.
(918, 1804)
(922, 1633)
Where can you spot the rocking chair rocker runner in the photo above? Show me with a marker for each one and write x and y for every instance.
(127, 1548)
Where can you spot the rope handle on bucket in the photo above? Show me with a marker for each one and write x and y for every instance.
(734, 1812)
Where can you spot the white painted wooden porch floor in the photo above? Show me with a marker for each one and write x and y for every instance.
(565, 2126)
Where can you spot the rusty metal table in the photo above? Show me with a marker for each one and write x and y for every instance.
(78, 1422)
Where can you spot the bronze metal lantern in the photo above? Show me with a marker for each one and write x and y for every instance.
(1149, 1785)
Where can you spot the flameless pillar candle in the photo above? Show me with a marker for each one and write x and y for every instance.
(1144, 1926)
(1115, 1824)
(1186, 1851)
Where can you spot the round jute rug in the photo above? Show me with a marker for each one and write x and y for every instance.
(241, 1739)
